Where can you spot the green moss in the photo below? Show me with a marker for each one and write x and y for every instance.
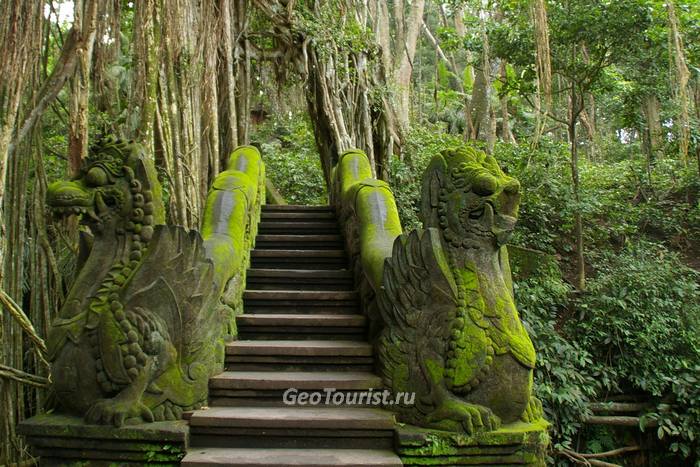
(232, 212)
(353, 167)
(515, 444)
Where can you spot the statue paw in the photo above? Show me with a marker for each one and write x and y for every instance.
(116, 412)
(533, 411)
(457, 415)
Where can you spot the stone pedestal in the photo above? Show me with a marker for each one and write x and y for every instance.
(518, 444)
(61, 440)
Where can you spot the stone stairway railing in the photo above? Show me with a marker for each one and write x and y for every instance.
(230, 223)
(370, 222)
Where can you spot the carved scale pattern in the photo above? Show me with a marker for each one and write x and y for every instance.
(135, 327)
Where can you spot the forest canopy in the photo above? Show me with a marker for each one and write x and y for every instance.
(593, 105)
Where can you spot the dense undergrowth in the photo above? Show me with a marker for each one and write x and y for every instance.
(635, 331)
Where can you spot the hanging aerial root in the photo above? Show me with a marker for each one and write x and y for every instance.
(19, 315)
(22, 377)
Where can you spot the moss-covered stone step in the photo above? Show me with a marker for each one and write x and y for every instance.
(298, 259)
(516, 444)
(295, 207)
(292, 427)
(298, 227)
(301, 326)
(63, 440)
(299, 242)
(291, 458)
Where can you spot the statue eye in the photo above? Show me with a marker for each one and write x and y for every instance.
(96, 177)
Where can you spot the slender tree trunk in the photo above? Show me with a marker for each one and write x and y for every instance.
(243, 73)
(650, 108)
(107, 51)
(543, 101)
(508, 136)
(575, 108)
(142, 101)
(683, 75)
(228, 118)
(406, 50)
(480, 111)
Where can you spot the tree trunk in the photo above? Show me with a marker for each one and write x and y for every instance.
(682, 75)
(543, 100)
(507, 133)
(481, 93)
(243, 71)
(105, 86)
(142, 102)
(84, 23)
(406, 50)
(228, 117)
(575, 108)
(26, 25)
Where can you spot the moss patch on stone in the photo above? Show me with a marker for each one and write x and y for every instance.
(518, 443)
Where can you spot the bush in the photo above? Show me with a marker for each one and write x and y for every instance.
(641, 321)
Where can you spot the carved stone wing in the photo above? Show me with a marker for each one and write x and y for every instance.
(175, 269)
(417, 302)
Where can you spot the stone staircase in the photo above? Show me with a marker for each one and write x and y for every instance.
(301, 329)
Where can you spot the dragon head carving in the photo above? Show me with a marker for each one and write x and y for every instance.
(468, 197)
(115, 187)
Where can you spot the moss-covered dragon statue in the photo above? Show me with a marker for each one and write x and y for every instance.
(142, 328)
(451, 331)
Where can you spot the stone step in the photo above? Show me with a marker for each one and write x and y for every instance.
(303, 348)
(310, 254)
(300, 301)
(292, 427)
(291, 458)
(292, 216)
(298, 320)
(299, 279)
(303, 380)
(299, 242)
(267, 389)
(297, 363)
(298, 259)
(300, 296)
(298, 355)
(295, 207)
(301, 326)
(298, 227)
